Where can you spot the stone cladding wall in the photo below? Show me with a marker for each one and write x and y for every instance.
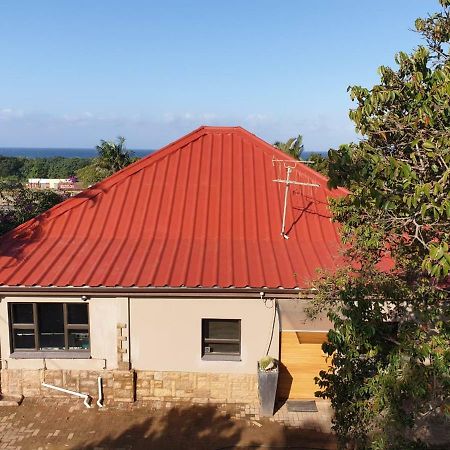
(131, 385)
(196, 387)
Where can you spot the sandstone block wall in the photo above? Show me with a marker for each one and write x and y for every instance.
(197, 387)
(130, 385)
(118, 385)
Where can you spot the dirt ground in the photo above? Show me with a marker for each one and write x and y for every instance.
(45, 424)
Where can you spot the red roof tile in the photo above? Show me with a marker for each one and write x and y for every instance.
(202, 212)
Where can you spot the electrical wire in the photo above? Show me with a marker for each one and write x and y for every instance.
(274, 306)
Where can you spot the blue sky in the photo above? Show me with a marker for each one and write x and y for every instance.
(75, 72)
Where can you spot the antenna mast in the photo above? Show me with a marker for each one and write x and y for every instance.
(287, 182)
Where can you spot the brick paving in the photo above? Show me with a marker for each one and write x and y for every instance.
(320, 421)
(49, 424)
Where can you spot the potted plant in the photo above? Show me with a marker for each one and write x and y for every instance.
(267, 384)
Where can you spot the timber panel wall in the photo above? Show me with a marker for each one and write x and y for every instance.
(302, 359)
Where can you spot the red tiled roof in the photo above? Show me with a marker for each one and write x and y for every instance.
(203, 211)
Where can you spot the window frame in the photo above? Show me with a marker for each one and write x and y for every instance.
(220, 356)
(37, 352)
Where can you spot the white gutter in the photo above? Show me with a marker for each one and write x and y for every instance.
(157, 292)
(87, 397)
(100, 392)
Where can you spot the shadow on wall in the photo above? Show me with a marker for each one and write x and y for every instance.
(204, 427)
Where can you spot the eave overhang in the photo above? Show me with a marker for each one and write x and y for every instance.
(156, 292)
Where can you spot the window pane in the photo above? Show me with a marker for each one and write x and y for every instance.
(222, 329)
(77, 313)
(23, 339)
(222, 348)
(78, 340)
(51, 326)
(22, 312)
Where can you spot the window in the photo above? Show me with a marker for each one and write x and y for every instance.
(49, 327)
(221, 339)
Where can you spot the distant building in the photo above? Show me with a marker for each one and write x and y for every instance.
(58, 184)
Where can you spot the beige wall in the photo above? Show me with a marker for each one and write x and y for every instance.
(166, 333)
(104, 315)
(294, 318)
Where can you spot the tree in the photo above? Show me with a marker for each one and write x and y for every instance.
(61, 167)
(14, 168)
(111, 158)
(37, 168)
(10, 167)
(90, 174)
(319, 163)
(293, 146)
(19, 204)
(390, 346)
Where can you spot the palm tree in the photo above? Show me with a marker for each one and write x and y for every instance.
(293, 146)
(113, 156)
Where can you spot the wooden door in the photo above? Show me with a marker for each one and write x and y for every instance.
(301, 360)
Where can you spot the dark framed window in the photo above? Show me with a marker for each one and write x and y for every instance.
(221, 339)
(49, 327)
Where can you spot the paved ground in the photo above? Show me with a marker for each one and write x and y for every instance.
(66, 424)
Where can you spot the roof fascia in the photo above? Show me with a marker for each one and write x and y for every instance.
(156, 292)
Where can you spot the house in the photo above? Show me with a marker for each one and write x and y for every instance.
(172, 277)
(56, 184)
(46, 183)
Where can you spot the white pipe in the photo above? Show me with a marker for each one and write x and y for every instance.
(87, 397)
(100, 392)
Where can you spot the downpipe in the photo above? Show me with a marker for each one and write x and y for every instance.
(100, 392)
(87, 398)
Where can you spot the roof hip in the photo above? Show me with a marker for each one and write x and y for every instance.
(204, 212)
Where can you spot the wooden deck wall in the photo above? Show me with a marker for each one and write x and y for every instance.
(302, 359)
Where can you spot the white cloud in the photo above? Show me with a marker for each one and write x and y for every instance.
(85, 129)
(10, 113)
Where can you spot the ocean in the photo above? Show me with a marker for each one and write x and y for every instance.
(52, 152)
(79, 152)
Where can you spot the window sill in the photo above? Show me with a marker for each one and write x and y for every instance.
(51, 355)
(211, 357)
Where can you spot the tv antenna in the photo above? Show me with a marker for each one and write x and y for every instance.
(289, 166)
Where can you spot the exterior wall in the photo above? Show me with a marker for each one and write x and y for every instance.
(117, 385)
(293, 317)
(104, 316)
(166, 333)
(162, 337)
(129, 385)
(160, 334)
(197, 387)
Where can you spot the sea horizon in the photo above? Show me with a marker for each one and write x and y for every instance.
(66, 152)
(74, 152)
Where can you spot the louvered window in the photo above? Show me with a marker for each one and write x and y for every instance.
(221, 339)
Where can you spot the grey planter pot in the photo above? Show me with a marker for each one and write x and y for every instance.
(267, 390)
